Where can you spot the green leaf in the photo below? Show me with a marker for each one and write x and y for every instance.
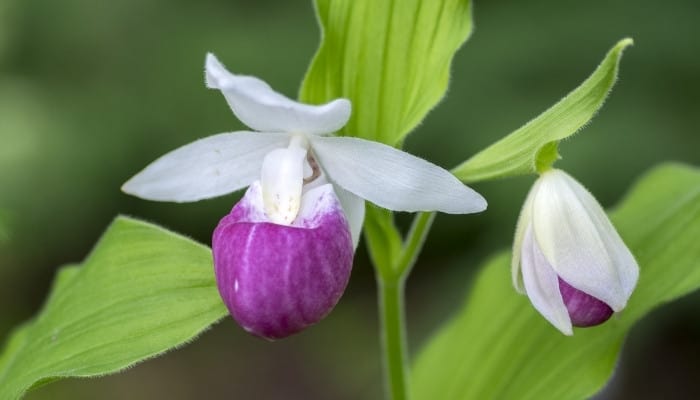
(390, 58)
(533, 147)
(143, 290)
(498, 346)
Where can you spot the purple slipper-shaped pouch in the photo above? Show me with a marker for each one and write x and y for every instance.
(278, 279)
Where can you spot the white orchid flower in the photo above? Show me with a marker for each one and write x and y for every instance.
(283, 255)
(567, 256)
(287, 133)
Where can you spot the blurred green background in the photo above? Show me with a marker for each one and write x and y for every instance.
(92, 91)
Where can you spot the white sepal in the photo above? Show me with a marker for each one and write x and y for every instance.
(354, 209)
(542, 284)
(209, 167)
(393, 179)
(580, 243)
(524, 222)
(258, 106)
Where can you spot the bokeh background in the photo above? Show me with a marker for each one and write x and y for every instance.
(92, 91)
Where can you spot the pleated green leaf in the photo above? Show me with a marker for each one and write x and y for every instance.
(533, 146)
(143, 290)
(391, 58)
(499, 347)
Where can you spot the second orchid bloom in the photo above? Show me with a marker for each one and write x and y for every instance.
(567, 256)
(282, 256)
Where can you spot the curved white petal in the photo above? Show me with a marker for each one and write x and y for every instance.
(354, 209)
(524, 222)
(209, 167)
(542, 285)
(258, 106)
(393, 179)
(579, 241)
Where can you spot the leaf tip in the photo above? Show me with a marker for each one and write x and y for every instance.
(624, 43)
(621, 46)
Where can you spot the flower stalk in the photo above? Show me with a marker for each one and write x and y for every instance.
(393, 268)
(393, 335)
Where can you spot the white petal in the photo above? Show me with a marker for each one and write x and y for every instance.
(524, 221)
(354, 209)
(257, 105)
(542, 285)
(579, 241)
(209, 167)
(393, 179)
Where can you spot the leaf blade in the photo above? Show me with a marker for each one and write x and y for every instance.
(143, 290)
(390, 58)
(534, 145)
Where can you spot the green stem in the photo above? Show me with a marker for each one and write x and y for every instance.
(391, 278)
(414, 242)
(393, 329)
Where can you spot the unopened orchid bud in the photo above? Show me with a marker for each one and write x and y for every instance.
(567, 256)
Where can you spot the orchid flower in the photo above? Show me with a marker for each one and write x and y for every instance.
(567, 256)
(283, 255)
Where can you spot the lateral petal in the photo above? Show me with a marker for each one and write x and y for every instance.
(258, 106)
(393, 179)
(209, 167)
(542, 285)
(354, 209)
